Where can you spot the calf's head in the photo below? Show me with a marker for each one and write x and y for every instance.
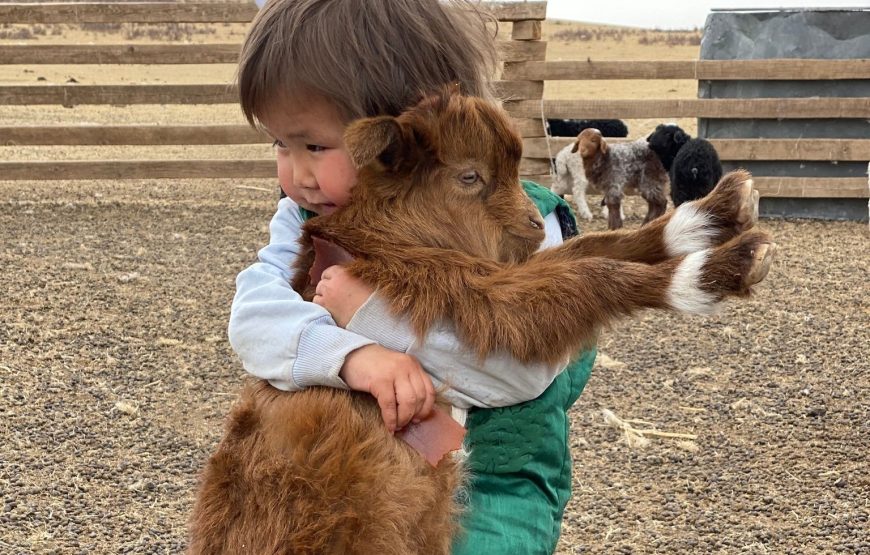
(666, 141)
(590, 143)
(447, 173)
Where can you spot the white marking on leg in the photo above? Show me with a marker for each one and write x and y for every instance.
(684, 293)
(689, 230)
(580, 198)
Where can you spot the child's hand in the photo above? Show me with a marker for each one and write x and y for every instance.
(403, 389)
(341, 294)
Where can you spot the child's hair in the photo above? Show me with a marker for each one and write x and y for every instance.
(368, 57)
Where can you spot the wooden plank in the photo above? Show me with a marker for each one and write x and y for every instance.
(517, 11)
(759, 108)
(128, 12)
(146, 134)
(536, 147)
(588, 70)
(543, 179)
(521, 51)
(850, 150)
(772, 69)
(526, 30)
(783, 69)
(530, 127)
(513, 51)
(119, 53)
(844, 150)
(137, 169)
(534, 166)
(193, 12)
(72, 95)
(812, 187)
(518, 90)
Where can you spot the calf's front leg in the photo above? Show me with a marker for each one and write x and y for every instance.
(550, 306)
(547, 307)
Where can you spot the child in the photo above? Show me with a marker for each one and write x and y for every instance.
(308, 67)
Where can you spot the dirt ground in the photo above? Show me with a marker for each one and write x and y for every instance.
(116, 374)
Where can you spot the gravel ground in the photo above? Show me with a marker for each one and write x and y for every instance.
(115, 375)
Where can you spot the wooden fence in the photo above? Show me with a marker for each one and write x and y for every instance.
(522, 83)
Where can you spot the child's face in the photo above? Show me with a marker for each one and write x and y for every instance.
(314, 168)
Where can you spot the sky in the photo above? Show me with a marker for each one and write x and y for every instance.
(667, 14)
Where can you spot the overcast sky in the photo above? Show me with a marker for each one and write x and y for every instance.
(667, 14)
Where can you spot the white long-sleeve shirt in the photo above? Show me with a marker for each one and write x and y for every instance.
(295, 344)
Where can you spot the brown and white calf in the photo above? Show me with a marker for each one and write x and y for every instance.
(439, 223)
(613, 170)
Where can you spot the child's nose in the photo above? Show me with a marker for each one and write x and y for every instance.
(303, 177)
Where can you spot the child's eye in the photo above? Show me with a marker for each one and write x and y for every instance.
(315, 148)
(278, 144)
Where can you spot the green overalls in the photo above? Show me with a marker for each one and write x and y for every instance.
(520, 461)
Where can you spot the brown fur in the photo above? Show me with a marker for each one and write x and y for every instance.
(316, 471)
(622, 168)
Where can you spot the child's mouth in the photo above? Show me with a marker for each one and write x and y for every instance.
(327, 208)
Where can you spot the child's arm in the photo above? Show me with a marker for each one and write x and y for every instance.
(273, 330)
(495, 381)
(295, 344)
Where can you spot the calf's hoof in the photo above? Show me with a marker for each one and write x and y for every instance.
(763, 258)
(733, 203)
(733, 268)
(729, 210)
(704, 278)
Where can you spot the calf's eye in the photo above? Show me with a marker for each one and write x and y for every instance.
(470, 177)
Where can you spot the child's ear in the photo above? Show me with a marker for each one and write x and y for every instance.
(371, 139)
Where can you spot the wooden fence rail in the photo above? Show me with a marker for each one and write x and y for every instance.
(216, 53)
(522, 85)
(713, 70)
(740, 108)
(191, 12)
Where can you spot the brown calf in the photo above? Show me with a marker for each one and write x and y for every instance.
(439, 222)
(614, 169)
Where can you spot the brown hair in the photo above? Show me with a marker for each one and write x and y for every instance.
(371, 57)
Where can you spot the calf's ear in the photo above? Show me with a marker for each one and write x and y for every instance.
(371, 140)
(681, 137)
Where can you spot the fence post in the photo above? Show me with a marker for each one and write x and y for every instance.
(529, 31)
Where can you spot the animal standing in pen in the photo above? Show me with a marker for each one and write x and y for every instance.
(613, 170)
(443, 227)
(692, 164)
(573, 127)
(569, 176)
